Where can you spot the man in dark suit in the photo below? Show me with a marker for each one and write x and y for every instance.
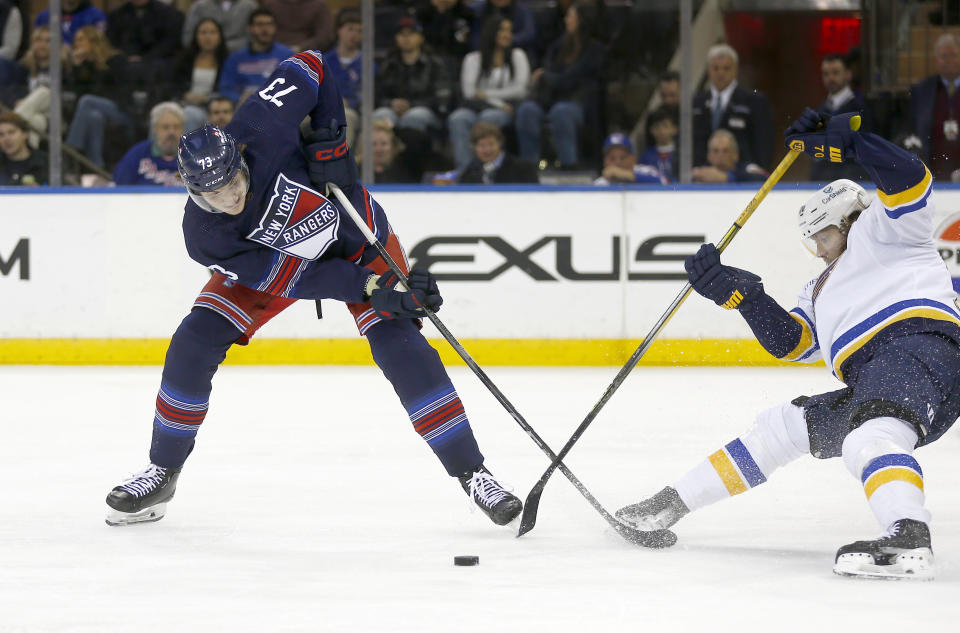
(725, 104)
(935, 111)
(493, 165)
(841, 98)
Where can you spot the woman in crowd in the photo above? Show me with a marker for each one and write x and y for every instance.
(19, 165)
(566, 89)
(520, 16)
(96, 78)
(391, 162)
(35, 106)
(492, 79)
(196, 71)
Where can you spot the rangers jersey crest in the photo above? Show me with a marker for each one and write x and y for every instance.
(298, 221)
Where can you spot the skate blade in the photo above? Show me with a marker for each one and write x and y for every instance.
(115, 518)
(913, 565)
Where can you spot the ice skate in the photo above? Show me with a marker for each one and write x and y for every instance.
(903, 553)
(656, 513)
(496, 502)
(142, 498)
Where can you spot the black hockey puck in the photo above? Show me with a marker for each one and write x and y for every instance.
(466, 561)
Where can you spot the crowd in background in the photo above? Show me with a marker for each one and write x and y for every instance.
(487, 91)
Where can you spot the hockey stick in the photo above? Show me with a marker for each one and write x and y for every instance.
(532, 504)
(660, 538)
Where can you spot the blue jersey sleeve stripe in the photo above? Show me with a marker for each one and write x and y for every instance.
(867, 324)
(813, 328)
(806, 340)
(901, 211)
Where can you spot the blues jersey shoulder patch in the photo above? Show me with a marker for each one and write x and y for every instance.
(298, 221)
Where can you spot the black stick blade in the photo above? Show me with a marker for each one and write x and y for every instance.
(530, 507)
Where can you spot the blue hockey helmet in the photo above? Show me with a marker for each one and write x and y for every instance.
(213, 170)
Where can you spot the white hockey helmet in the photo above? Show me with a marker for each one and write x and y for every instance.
(831, 206)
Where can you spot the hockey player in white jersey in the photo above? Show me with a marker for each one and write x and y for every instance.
(883, 316)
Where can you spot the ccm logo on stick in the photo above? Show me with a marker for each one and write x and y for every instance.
(651, 250)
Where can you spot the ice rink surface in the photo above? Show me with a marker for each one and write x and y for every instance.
(310, 505)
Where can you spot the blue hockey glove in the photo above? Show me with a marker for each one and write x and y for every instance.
(726, 286)
(397, 304)
(822, 136)
(329, 158)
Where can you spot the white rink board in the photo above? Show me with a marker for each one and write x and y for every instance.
(114, 265)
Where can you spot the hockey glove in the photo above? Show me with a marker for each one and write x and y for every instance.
(822, 136)
(726, 286)
(391, 303)
(329, 158)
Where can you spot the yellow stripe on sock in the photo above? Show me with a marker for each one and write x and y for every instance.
(887, 475)
(728, 474)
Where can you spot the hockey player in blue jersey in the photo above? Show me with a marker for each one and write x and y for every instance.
(884, 317)
(258, 218)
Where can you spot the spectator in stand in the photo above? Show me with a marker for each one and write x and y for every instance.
(668, 87)
(725, 104)
(668, 96)
(154, 161)
(390, 165)
(662, 154)
(492, 80)
(145, 30)
(549, 30)
(492, 165)
(245, 70)
(11, 31)
(620, 165)
(413, 86)
(935, 112)
(232, 16)
(446, 29)
(725, 166)
(345, 64)
(566, 87)
(34, 106)
(197, 70)
(302, 25)
(841, 98)
(95, 77)
(220, 111)
(19, 165)
(524, 25)
(76, 14)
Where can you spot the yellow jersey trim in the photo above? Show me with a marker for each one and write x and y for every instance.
(914, 193)
(806, 339)
(858, 343)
